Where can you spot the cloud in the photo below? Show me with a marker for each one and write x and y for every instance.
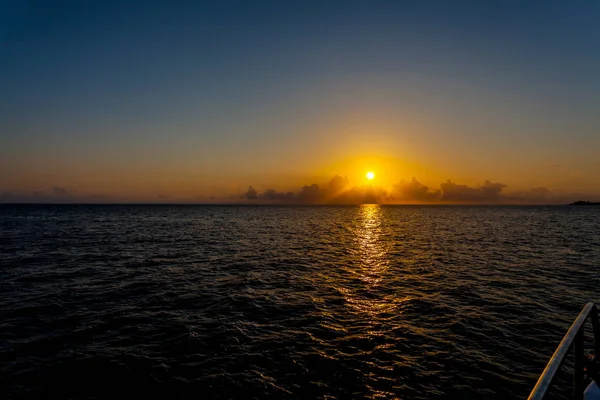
(59, 192)
(339, 191)
(251, 194)
(338, 185)
(55, 194)
(488, 192)
(269, 195)
(364, 194)
(273, 195)
(311, 194)
(414, 191)
(336, 191)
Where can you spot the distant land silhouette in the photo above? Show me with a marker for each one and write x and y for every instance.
(585, 203)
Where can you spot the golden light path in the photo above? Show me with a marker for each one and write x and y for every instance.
(371, 267)
(373, 254)
(372, 301)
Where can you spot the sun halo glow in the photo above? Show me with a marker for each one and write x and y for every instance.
(370, 175)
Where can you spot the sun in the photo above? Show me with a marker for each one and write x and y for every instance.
(370, 175)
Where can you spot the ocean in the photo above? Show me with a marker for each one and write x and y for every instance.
(228, 302)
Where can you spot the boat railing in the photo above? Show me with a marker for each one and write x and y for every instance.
(573, 340)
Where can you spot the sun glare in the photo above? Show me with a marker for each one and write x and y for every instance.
(370, 176)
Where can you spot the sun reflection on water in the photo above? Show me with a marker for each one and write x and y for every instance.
(373, 255)
(371, 264)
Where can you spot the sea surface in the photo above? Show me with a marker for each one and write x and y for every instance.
(252, 302)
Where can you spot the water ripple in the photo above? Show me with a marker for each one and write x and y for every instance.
(288, 302)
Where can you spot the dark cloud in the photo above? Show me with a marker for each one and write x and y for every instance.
(269, 195)
(339, 191)
(273, 195)
(251, 194)
(59, 192)
(338, 185)
(488, 192)
(414, 191)
(364, 194)
(311, 194)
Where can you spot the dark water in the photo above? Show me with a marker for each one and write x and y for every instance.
(288, 302)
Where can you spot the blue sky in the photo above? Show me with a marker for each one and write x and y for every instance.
(135, 98)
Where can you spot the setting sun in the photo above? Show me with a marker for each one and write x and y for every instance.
(370, 175)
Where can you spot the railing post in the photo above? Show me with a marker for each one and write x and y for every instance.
(578, 384)
(596, 330)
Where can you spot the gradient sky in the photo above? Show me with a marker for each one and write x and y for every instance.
(143, 99)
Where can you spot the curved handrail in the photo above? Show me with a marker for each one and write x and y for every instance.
(575, 334)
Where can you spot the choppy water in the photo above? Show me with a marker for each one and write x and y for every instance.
(288, 302)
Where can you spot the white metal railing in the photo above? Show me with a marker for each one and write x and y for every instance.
(573, 340)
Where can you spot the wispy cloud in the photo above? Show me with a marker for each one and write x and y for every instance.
(56, 194)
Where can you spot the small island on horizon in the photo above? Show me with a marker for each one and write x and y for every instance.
(585, 203)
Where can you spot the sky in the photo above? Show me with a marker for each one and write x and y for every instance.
(198, 100)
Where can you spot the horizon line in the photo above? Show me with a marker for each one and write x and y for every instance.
(134, 203)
